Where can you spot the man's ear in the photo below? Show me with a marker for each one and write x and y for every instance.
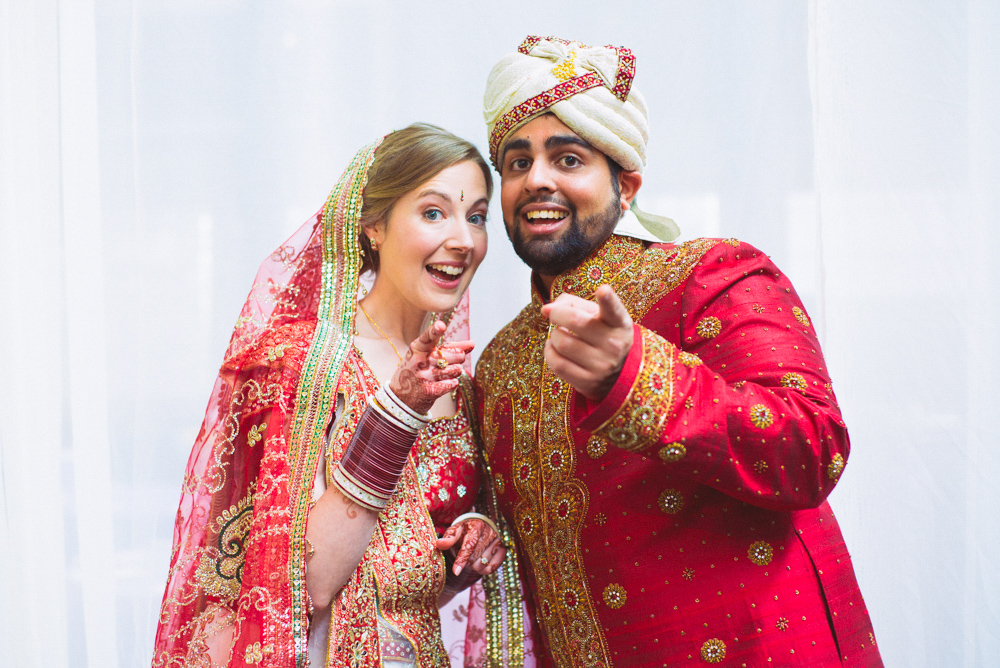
(629, 184)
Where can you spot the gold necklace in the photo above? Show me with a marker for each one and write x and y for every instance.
(379, 330)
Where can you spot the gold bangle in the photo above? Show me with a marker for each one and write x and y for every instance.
(478, 516)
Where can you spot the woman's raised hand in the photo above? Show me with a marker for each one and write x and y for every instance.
(429, 370)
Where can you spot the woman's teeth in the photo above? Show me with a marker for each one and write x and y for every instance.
(556, 215)
(446, 269)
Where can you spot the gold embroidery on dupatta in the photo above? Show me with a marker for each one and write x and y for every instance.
(220, 571)
(551, 503)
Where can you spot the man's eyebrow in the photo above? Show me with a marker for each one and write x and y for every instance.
(515, 145)
(440, 194)
(566, 140)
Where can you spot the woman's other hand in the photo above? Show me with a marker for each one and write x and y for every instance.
(429, 370)
(477, 545)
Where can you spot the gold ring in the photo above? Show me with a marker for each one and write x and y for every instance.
(484, 560)
(442, 363)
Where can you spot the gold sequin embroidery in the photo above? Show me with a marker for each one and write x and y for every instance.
(761, 416)
(615, 596)
(596, 447)
(761, 553)
(689, 359)
(672, 452)
(800, 315)
(795, 381)
(713, 651)
(709, 327)
(836, 467)
(671, 501)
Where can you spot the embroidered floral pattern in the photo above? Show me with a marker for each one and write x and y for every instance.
(639, 420)
(671, 501)
(688, 359)
(836, 467)
(596, 447)
(673, 452)
(709, 327)
(615, 596)
(713, 651)
(800, 315)
(795, 381)
(761, 553)
(761, 416)
(782, 624)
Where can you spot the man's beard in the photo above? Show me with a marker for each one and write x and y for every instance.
(551, 257)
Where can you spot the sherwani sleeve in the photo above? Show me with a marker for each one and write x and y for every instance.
(726, 384)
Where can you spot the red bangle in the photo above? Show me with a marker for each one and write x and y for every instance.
(374, 459)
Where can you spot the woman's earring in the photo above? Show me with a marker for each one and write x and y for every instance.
(374, 244)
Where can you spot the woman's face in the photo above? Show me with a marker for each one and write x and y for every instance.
(434, 239)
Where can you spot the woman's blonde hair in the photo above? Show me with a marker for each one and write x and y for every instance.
(405, 159)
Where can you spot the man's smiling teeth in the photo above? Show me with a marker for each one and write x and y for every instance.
(532, 215)
(447, 269)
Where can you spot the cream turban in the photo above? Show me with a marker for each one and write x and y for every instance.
(587, 88)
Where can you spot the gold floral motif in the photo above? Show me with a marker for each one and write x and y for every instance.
(689, 403)
(800, 315)
(673, 452)
(638, 421)
(758, 308)
(276, 352)
(795, 381)
(615, 596)
(761, 553)
(254, 653)
(600, 519)
(713, 651)
(735, 243)
(565, 70)
(782, 624)
(220, 571)
(256, 433)
(671, 501)
(760, 466)
(761, 416)
(709, 327)
(688, 359)
(596, 447)
(688, 574)
(836, 467)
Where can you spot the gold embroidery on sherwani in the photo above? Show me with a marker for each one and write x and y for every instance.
(550, 502)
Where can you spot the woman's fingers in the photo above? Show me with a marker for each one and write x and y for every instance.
(471, 548)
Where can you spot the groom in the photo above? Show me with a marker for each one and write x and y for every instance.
(659, 420)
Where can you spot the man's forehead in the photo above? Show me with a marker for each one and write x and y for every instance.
(544, 125)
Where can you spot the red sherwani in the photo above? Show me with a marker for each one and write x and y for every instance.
(682, 520)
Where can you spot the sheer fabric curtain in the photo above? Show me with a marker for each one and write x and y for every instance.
(152, 153)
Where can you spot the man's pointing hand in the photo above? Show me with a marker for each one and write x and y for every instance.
(589, 341)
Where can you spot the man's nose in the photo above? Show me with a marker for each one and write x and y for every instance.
(540, 177)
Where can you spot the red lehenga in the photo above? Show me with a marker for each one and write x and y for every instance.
(237, 570)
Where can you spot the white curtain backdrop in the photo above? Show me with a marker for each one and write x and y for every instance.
(152, 153)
